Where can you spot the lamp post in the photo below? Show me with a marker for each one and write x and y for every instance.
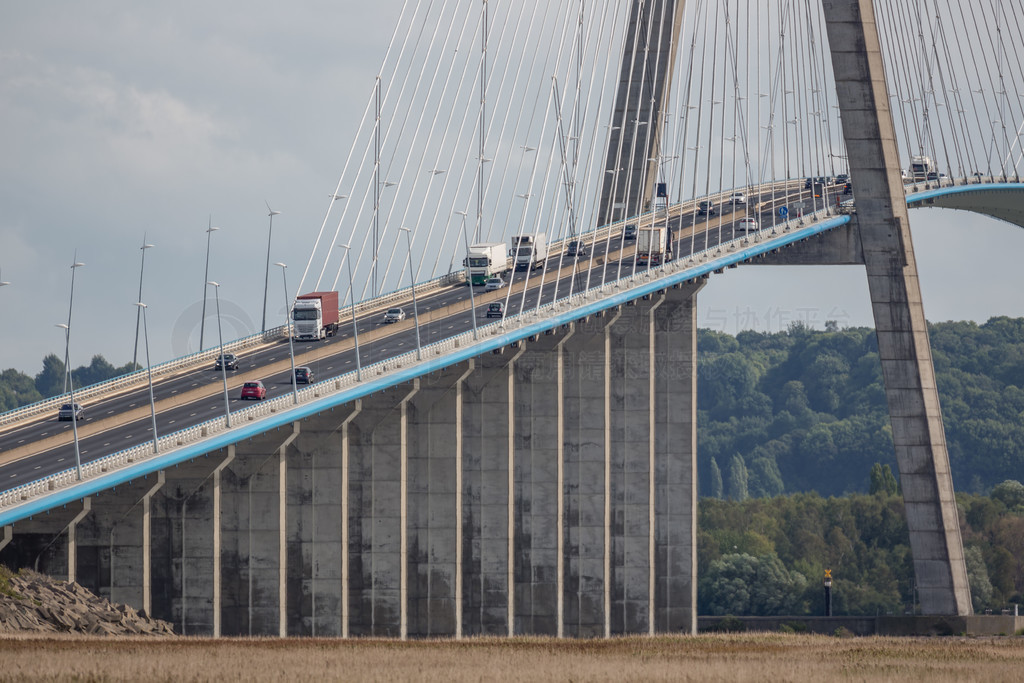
(287, 329)
(376, 227)
(149, 372)
(266, 277)
(352, 301)
(469, 274)
(138, 312)
(202, 321)
(223, 365)
(412, 281)
(71, 302)
(70, 383)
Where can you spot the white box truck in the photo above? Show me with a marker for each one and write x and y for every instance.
(529, 251)
(485, 260)
(653, 246)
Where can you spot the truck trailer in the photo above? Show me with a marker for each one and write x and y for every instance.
(315, 315)
(485, 260)
(529, 251)
(653, 246)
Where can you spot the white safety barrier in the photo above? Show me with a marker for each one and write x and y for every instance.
(249, 414)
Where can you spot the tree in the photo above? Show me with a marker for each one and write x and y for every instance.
(742, 584)
(738, 478)
(1010, 493)
(977, 578)
(50, 380)
(716, 480)
(882, 481)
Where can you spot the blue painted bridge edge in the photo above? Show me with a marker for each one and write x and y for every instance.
(285, 417)
(418, 369)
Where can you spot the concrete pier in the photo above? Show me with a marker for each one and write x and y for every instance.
(546, 488)
(903, 346)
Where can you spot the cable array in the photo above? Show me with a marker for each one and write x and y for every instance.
(491, 119)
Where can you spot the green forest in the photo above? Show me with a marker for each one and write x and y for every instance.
(796, 465)
(18, 389)
(795, 411)
(767, 556)
(804, 410)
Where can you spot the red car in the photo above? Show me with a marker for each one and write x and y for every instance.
(254, 390)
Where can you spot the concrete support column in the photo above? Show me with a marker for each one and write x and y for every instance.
(511, 523)
(403, 584)
(560, 486)
(147, 545)
(676, 462)
(903, 345)
(73, 540)
(8, 535)
(345, 573)
(607, 575)
(652, 465)
(217, 541)
(459, 457)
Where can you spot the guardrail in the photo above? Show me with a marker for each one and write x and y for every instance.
(200, 358)
(190, 435)
(138, 378)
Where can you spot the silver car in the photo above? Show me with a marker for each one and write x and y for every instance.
(493, 284)
(67, 413)
(394, 315)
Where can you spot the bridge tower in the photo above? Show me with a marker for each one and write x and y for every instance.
(883, 228)
(645, 77)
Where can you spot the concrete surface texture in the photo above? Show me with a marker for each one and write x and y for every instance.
(903, 345)
(547, 489)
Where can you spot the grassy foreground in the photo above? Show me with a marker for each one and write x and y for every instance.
(732, 657)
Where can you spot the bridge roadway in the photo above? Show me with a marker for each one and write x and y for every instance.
(41, 447)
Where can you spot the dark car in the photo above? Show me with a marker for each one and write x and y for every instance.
(228, 360)
(629, 232)
(577, 248)
(706, 208)
(254, 390)
(496, 310)
(303, 375)
(842, 179)
(848, 188)
(67, 413)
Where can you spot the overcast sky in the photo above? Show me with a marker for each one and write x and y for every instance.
(120, 120)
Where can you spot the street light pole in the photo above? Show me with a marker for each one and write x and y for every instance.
(352, 301)
(138, 312)
(412, 281)
(223, 364)
(469, 274)
(266, 278)
(202, 321)
(71, 383)
(287, 328)
(149, 372)
(71, 302)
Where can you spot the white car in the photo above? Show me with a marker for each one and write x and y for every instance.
(493, 284)
(747, 224)
(739, 198)
(394, 315)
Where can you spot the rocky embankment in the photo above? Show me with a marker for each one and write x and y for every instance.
(34, 603)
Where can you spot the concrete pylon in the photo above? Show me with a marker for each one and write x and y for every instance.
(903, 345)
(648, 61)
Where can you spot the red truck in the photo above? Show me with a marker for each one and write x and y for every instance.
(315, 315)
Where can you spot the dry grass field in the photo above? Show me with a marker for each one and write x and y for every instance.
(739, 657)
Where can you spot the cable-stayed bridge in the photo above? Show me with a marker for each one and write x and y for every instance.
(534, 472)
